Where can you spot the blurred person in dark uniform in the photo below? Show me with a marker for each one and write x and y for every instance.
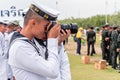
(118, 49)
(105, 43)
(91, 39)
(110, 43)
(114, 36)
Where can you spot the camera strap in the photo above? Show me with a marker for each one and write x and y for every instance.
(46, 34)
(30, 42)
(46, 52)
(26, 40)
(33, 44)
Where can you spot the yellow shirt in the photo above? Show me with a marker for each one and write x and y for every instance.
(79, 34)
(100, 37)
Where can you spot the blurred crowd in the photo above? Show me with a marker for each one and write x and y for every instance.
(110, 43)
(7, 30)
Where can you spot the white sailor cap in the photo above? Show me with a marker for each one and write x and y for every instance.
(3, 22)
(45, 12)
(15, 22)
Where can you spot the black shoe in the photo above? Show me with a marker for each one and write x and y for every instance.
(9, 79)
(109, 64)
(91, 55)
(115, 68)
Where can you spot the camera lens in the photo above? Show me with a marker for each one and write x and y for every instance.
(73, 27)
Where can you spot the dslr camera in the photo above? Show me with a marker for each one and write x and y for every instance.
(73, 27)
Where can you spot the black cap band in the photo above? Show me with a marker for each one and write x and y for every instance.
(3, 23)
(42, 14)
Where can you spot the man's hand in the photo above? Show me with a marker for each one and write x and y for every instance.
(108, 47)
(106, 39)
(118, 49)
(14, 78)
(54, 31)
(62, 36)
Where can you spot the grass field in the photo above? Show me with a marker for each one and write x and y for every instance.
(80, 71)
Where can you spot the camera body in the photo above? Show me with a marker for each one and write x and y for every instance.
(73, 27)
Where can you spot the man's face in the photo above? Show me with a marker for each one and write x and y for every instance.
(2, 28)
(40, 29)
(9, 30)
(106, 28)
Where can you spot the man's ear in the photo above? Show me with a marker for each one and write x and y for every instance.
(32, 22)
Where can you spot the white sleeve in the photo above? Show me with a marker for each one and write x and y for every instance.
(1, 46)
(64, 64)
(1, 49)
(27, 59)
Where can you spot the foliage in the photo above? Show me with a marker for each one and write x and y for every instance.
(95, 21)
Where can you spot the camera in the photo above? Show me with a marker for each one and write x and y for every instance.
(73, 27)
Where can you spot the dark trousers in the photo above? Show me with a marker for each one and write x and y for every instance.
(110, 54)
(105, 52)
(119, 61)
(114, 59)
(114, 56)
(78, 46)
(88, 49)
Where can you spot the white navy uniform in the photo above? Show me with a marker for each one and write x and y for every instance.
(64, 66)
(2, 44)
(3, 75)
(28, 65)
(7, 42)
(7, 45)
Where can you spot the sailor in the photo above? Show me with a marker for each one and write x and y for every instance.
(25, 57)
(11, 28)
(64, 66)
(3, 75)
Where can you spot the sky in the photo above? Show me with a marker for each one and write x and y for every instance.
(69, 8)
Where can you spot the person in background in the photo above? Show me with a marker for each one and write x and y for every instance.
(79, 37)
(3, 75)
(91, 39)
(110, 48)
(114, 36)
(11, 28)
(118, 49)
(105, 42)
